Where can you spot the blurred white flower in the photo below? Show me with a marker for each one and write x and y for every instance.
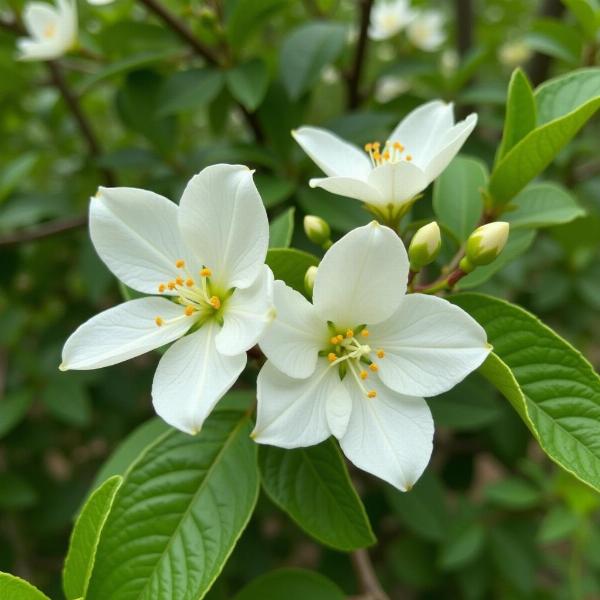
(389, 87)
(513, 54)
(100, 2)
(426, 30)
(389, 18)
(449, 61)
(52, 30)
(330, 75)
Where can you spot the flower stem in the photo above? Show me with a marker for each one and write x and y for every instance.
(367, 578)
(354, 95)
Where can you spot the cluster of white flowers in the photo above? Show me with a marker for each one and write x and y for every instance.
(424, 28)
(355, 363)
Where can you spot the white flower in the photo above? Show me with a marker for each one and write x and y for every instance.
(417, 151)
(207, 258)
(389, 87)
(389, 18)
(52, 30)
(426, 30)
(100, 2)
(390, 348)
(515, 53)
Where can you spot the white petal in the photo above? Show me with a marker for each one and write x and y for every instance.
(338, 407)
(333, 155)
(192, 377)
(398, 182)
(362, 277)
(135, 232)
(68, 22)
(34, 50)
(247, 313)
(38, 17)
(430, 345)
(449, 145)
(122, 332)
(292, 412)
(223, 220)
(294, 338)
(422, 129)
(349, 187)
(390, 436)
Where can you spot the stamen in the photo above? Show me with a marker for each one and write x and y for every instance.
(206, 272)
(189, 282)
(339, 338)
(409, 157)
(189, 311)
(365, 333)
(215, 302)
(159, 321)
(171, 285)
(162, 287)
(332, 356)
(374, 367)
(371, 394)
(179, 281)
(349, 333)
(363, 374)
(380, 353)
(180, 263)
(334, 340)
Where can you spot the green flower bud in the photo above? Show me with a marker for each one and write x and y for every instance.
(317, 230)
(309, 280)
(485, 244)
(425, 246)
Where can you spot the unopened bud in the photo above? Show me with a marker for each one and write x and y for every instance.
(309, 280)
(485, 244)
(425, 246)
(317, 230)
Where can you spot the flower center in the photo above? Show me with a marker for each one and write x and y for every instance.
(50, 30)
(353, 356)
(393, 152)
(197, 295)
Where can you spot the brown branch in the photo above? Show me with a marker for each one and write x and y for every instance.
(354, 95)
(44, 230)
(365, 573)
(463, 10)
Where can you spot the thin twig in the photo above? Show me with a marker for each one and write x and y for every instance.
(354, 95)
(365, 573)
(44, 230)
(463, 10)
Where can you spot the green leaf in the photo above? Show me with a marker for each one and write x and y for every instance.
(247, 16)
(16, 493)
(289, 265)
(14, 172)
(312, 485)
(15, 588)
(273, 190)
(248, 83)
(585, 13)
(550, 385)
(67, 399)
(463, 544)
(294, 584)
(564, 105)
(304, 53)
(84, 538)
(422, 509)
(555, 39)
(543, 205)
(521, 115)
(189, 90)
(512, 493)
(13, 407)
(185, 502)
(518, 242)
(457, 200)
(281, 229)
(558, 524)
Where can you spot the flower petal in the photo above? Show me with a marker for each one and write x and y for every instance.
(349, 187)
(421, 130)
(449, 145)
(398, 182)
(38, 17)
(333, 155)
(362, 277)
(135, 232)
(247, 313)
(430, 345)
(293, 340)
(223, 220)
(292, 412)
(192, 377)
(390, 436)
(122, 332)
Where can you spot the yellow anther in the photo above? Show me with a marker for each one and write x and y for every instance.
(171, 285)
(50, 30)
(179, 280)
(333, 340)
(189, 282)
(386, 155)
(340, 338)
(205, 272)
(374, 367)
(332, 356)
(398, 146)
(215, 302)
(371, 394)
(409, 157)
(189, 311)
(380, 353)
(363, 374)
(349, 333)
(376, 155)
(365, 333)
(162, 287)
(180, 263)
(159, 321)
(376, 145)
(368, 147)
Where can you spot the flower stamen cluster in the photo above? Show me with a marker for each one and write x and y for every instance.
(391, 154)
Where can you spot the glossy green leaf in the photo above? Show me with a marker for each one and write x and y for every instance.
(189, 90)
(556, 39)
(84, 538)
(304, 53)
(289, 265)
(564, 105)
(585, 12)
(247, 16)
(312, 485)
(543, 205)
(521, 115)
(281, 229)
(550, 385)
(457, 200)
(15, 588)
(184, 503)
(293, 584)
(248, 83)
